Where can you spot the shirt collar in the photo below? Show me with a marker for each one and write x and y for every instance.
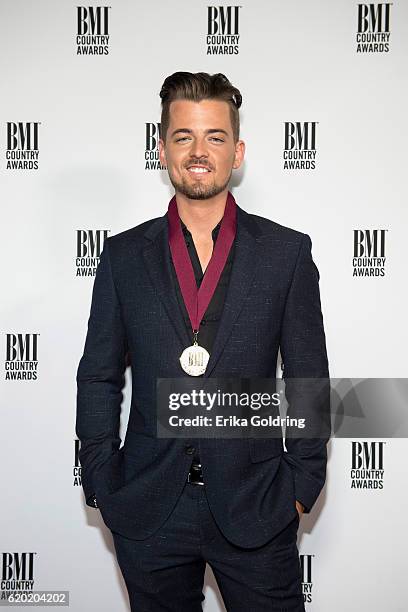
(214, 232)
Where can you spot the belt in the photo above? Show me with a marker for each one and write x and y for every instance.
(195, 475)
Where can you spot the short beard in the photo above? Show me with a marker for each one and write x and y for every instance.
(198, 191)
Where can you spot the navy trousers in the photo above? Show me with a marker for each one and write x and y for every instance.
(165, 572)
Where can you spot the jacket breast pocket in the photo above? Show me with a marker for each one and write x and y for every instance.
(261, 449)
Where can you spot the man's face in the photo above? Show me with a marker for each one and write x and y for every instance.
(200, 152)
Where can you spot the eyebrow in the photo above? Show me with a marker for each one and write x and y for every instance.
(188, 131)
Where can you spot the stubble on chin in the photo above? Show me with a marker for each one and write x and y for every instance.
(198, 191)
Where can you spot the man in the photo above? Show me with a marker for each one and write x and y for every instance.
(174, 505)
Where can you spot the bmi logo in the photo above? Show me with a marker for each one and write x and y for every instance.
(223, 30)
(92, 30)
(367, 465)
(300, 145)
(77, 465)
(22, 145)
(369, 252)
(21, 357)
(153, 134)
(17, 573)
(306, 574)
(373, 27)
(89, 248)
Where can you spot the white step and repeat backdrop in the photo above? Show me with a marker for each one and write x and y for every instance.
(324, 88)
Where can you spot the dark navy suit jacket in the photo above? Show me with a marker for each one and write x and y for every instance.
(272, 301)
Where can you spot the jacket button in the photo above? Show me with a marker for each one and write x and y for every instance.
(189, 450)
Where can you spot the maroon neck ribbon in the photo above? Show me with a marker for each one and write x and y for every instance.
(197, 300)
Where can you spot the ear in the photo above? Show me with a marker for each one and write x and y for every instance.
(162, 152)
(239, 154)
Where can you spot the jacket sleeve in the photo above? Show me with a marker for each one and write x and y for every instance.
(306, 376)
(100, 378)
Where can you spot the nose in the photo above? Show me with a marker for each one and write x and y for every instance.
(199, 148)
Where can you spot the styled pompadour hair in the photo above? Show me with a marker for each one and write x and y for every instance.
(196, 87)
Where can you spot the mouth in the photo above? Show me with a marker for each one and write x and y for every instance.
(196, 170)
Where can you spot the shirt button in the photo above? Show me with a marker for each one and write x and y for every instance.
(203, 322)
(189, 450)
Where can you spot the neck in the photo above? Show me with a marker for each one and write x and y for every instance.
(201, 216)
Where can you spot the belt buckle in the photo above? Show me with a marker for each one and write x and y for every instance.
(195, 474)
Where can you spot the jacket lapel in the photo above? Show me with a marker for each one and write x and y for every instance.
(156, 255)
(246, 260)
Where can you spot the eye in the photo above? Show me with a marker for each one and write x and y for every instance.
(217, 139)
(182, 138)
